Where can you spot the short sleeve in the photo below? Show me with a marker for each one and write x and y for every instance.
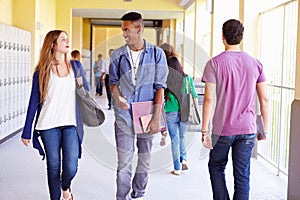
(209, 74)
(261, 77)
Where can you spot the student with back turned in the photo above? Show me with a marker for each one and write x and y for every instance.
(236, 79)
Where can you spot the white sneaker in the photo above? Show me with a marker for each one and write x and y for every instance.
(184, 165)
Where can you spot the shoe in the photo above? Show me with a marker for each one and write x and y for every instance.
(163, 139)
(176, 172)
(109, 107)
(70, 197)
(135, 198)
(184, 165)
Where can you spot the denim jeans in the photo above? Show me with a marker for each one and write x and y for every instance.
(60, 141)
(177, 132)
(241, 147)
(125, 138)
(98, 85)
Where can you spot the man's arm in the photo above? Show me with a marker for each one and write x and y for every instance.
(116, 95)
(207, 107)
(262, 93)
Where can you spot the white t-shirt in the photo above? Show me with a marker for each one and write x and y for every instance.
(59, 105)
(106, 63)
(134, 61)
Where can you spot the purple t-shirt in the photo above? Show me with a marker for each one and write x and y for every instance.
(235, 75)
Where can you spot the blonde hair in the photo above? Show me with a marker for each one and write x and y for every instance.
(46, 60)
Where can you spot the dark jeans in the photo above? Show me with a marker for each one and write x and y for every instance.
(99, 85)
(108, 93)
(57, 141)
(241, 146)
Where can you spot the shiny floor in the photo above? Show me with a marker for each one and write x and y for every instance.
(23, 173)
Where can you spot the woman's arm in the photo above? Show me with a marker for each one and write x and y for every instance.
(31, 110)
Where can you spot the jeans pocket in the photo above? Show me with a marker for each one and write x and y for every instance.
(249, 138)
(222, 141)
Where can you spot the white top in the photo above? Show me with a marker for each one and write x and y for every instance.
(59, 105)
(134, 61)
(106, 63)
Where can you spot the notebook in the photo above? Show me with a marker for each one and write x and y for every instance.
(142, 114)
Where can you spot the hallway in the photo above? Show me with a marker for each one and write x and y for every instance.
(23, 173)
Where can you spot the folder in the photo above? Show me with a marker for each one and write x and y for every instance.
(142, 114)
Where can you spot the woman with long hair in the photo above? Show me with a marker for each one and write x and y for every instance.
(58, 117)
(176, 86)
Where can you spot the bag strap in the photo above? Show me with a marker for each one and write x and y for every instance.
(186, 81)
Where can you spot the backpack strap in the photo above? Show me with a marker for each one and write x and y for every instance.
(119, 63)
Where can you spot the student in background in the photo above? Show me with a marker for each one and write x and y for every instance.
(75, 54)
(176, 83)
(58, 118)
(106, 63)
(98, 73)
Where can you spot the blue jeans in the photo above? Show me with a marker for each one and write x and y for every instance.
(99, 85)
(241, 147)
(125, 138)
(177, 132)
(56, 141)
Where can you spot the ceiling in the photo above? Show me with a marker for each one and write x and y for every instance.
(117, 13)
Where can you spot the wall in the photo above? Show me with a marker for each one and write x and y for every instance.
(6, 11)
(38, 18)
(294, 162)
(86, 33)
(223, 10)
(77, 33)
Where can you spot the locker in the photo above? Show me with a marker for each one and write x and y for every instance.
(15, 65)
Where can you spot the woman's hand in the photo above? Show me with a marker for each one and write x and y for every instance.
(79, 81)
(25, 141)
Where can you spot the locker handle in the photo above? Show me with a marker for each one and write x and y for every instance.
(5, 82)
(5, 118)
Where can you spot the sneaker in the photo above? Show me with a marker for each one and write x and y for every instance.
(176, 172)
(135, 198)
(184, 165)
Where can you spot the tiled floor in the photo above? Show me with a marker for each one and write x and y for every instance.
(23, 173)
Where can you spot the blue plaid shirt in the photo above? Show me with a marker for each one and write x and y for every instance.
(150, 77)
